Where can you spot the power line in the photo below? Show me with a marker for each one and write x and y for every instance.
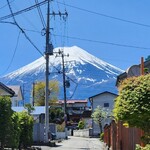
(96, 41)
(81, 9)
(8, 22)
(14, 53)
(104, 42)
(40, 14)
(22, 29)
(107, 16)
(23, 10)
(6, 4)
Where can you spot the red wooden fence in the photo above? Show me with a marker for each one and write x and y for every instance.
(118, 137)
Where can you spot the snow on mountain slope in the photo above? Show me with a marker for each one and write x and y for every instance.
(88, 75)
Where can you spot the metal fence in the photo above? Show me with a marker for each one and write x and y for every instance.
(118, 137)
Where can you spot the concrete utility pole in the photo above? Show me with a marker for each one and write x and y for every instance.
(33, 93)
(62, 55)
(64, 86)
(48, 51)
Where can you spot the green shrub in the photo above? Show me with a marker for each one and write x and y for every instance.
(15, 128)
(147, 147)
(61, 127)
(102, 136)
(14, 135)
(26, 129)
(132, 106)
(81, 124)
(5, 121)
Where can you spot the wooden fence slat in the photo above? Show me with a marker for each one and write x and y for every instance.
(118, 137)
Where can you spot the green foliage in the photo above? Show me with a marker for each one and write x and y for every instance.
(133, 103)
(39, 95)
(146, 71)
(15, 131)
(99, 115)
(61, 127)
(102, 136)
(5, 120)
(29, 108)
(15, 128)
(147, 147)
(81, 124)
(56, 115)
(26, 129)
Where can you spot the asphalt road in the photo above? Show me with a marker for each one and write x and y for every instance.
(77, 143)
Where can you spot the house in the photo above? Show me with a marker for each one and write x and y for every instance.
(105, 100)
(6, 91)
(133, 71)
(14, 92)
(18, 96)
(77, 110)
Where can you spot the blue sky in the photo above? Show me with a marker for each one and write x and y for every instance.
(96, 26)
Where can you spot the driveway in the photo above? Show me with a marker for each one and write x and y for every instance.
(77, 143)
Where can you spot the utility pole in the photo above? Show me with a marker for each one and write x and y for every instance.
(142, 66)
(62, 55)
(33, 93)
(64, 86)
(48, 52)
(23, 91)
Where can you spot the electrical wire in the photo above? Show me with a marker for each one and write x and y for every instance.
(23, 10)
(6, 4)
(104, 15)
(8, 22)
(96, 41)
(104, 42)
(25, 18)
(40, 14)
(23, 30)
(14, 53)
(73, 91)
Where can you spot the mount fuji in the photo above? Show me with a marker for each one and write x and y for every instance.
(87, 74)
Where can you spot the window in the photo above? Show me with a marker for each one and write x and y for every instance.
(106, 104)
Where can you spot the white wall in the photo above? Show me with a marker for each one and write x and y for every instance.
(104, 98)
(99, 100)
(81, 133)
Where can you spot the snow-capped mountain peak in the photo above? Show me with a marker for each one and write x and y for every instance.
(82, 68)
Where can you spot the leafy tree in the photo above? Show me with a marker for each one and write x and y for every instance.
(5, 120)
(40, 92)
(56, 115)
(29, 108)
(133, 103)
(81, 124)
(26, 129)
(99, 115)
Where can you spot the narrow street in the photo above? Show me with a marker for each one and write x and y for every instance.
(77, 143)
